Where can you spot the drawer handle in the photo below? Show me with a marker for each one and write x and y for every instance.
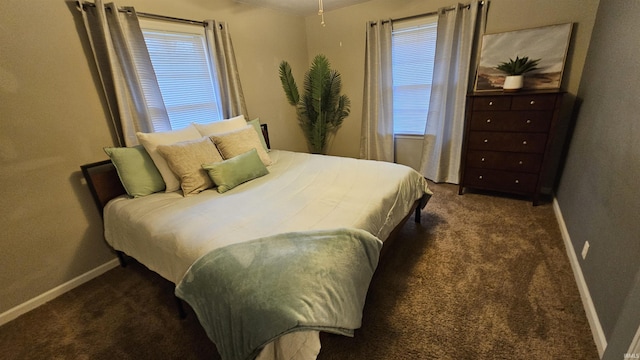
(520, 162)
(480, 177)
(490, 103)
(517, 181)
(486, 140)
(533, 102)
(528, 121)
(488, 121)
(482, 159)
(524, 142)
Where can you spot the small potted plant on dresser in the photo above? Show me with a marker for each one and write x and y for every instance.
(515, 70)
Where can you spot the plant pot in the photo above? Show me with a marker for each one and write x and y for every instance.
(513, 83)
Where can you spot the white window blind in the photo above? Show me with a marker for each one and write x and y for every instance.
(181, 63)
(413, 52)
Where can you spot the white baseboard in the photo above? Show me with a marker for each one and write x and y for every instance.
(634, 348)
(587, 302)
(41, 299)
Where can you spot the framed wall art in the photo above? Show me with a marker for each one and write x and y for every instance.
(548, 43)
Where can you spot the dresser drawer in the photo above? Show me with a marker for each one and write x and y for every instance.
(518, 121)
(500, 180)
(507, 141)
(524, 162)
(491, 103)
(534, 102)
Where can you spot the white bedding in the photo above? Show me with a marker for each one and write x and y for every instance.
(168, 232)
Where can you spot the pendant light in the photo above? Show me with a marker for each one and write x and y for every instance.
(321, 12)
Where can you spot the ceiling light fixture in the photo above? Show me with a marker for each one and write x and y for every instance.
(321, 11)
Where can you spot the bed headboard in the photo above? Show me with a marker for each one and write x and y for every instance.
(104, 183)
(265, 133)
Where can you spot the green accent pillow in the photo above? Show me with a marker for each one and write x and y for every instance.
(137, 172)
(237, 170)
(256, 125)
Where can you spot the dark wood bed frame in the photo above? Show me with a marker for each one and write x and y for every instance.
(104, 184)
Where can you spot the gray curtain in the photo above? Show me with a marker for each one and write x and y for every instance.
(459, 33)
(376, 140)
(221, 52)
(127, 76)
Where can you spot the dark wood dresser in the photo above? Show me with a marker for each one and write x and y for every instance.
(507, 140)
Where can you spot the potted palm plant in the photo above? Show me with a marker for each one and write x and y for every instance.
(321, 109)
(515, 70)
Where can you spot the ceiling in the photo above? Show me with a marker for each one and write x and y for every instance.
(301, 7)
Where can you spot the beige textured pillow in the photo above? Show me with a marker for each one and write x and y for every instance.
(151, 141)
(238, 142)
(185, 159)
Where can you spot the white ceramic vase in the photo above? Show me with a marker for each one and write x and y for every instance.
(513, 83)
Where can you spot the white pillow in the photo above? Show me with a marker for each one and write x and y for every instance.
(219, 127)
(150, 141)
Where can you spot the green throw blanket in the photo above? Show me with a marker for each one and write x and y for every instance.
(245, 295)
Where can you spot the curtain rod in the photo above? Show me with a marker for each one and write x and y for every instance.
(148, 15)
(170, 18)
(431, 13)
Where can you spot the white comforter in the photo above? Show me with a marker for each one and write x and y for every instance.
(168, 232)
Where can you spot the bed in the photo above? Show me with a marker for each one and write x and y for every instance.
(312, 227)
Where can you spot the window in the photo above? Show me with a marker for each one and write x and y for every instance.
(182, 65)
(413, 52)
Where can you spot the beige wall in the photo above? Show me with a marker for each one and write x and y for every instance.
(342, 41)
(53, 118)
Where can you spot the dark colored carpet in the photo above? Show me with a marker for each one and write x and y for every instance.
(483, 277)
